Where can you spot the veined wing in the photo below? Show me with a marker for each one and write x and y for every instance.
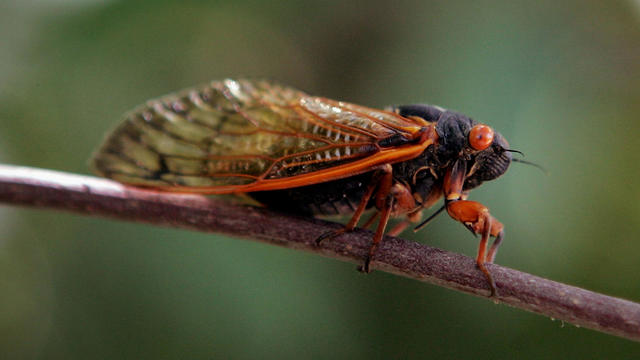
(240, 136)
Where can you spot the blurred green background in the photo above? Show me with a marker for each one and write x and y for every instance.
(560, 80)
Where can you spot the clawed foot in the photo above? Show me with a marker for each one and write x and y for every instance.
(330, 235)
(492, 283)
(476, 218)
(364, 268)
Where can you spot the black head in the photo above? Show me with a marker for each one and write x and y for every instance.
(460, 137)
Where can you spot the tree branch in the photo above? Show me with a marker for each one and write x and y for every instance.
(100, 197)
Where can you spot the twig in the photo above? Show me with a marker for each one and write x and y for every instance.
(99, 197)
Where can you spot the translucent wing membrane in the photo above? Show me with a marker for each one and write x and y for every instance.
(238, 136)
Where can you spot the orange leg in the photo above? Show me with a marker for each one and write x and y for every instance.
(399, 228)
(494, 248)
(370, 220)
(392, 199)
(385, 213)
(480, 259)
(412, 217)
(353, 222)
(403, 202)
(474, 216)
(382, 181)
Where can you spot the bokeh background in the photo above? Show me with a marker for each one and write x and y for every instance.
(560, 79)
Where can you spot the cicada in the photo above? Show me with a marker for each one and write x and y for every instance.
(311, 155)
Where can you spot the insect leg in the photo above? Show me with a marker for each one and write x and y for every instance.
(412, 217)
(362, 206)
(401, 195)
(399, 228)
(494, 248)
(477, 217)
(384, 202)
(482, 247)
(474, 216)
(370, 220)
(385, 213)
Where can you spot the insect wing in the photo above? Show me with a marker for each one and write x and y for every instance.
(239, 136)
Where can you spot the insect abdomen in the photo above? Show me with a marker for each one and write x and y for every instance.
(329, 198)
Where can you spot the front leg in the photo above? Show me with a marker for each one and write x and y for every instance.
(474, 216)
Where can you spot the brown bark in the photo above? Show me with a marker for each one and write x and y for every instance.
(100, 197)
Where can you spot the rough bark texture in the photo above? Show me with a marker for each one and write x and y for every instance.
(100, 197)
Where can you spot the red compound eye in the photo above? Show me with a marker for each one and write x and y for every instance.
(480, 137)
